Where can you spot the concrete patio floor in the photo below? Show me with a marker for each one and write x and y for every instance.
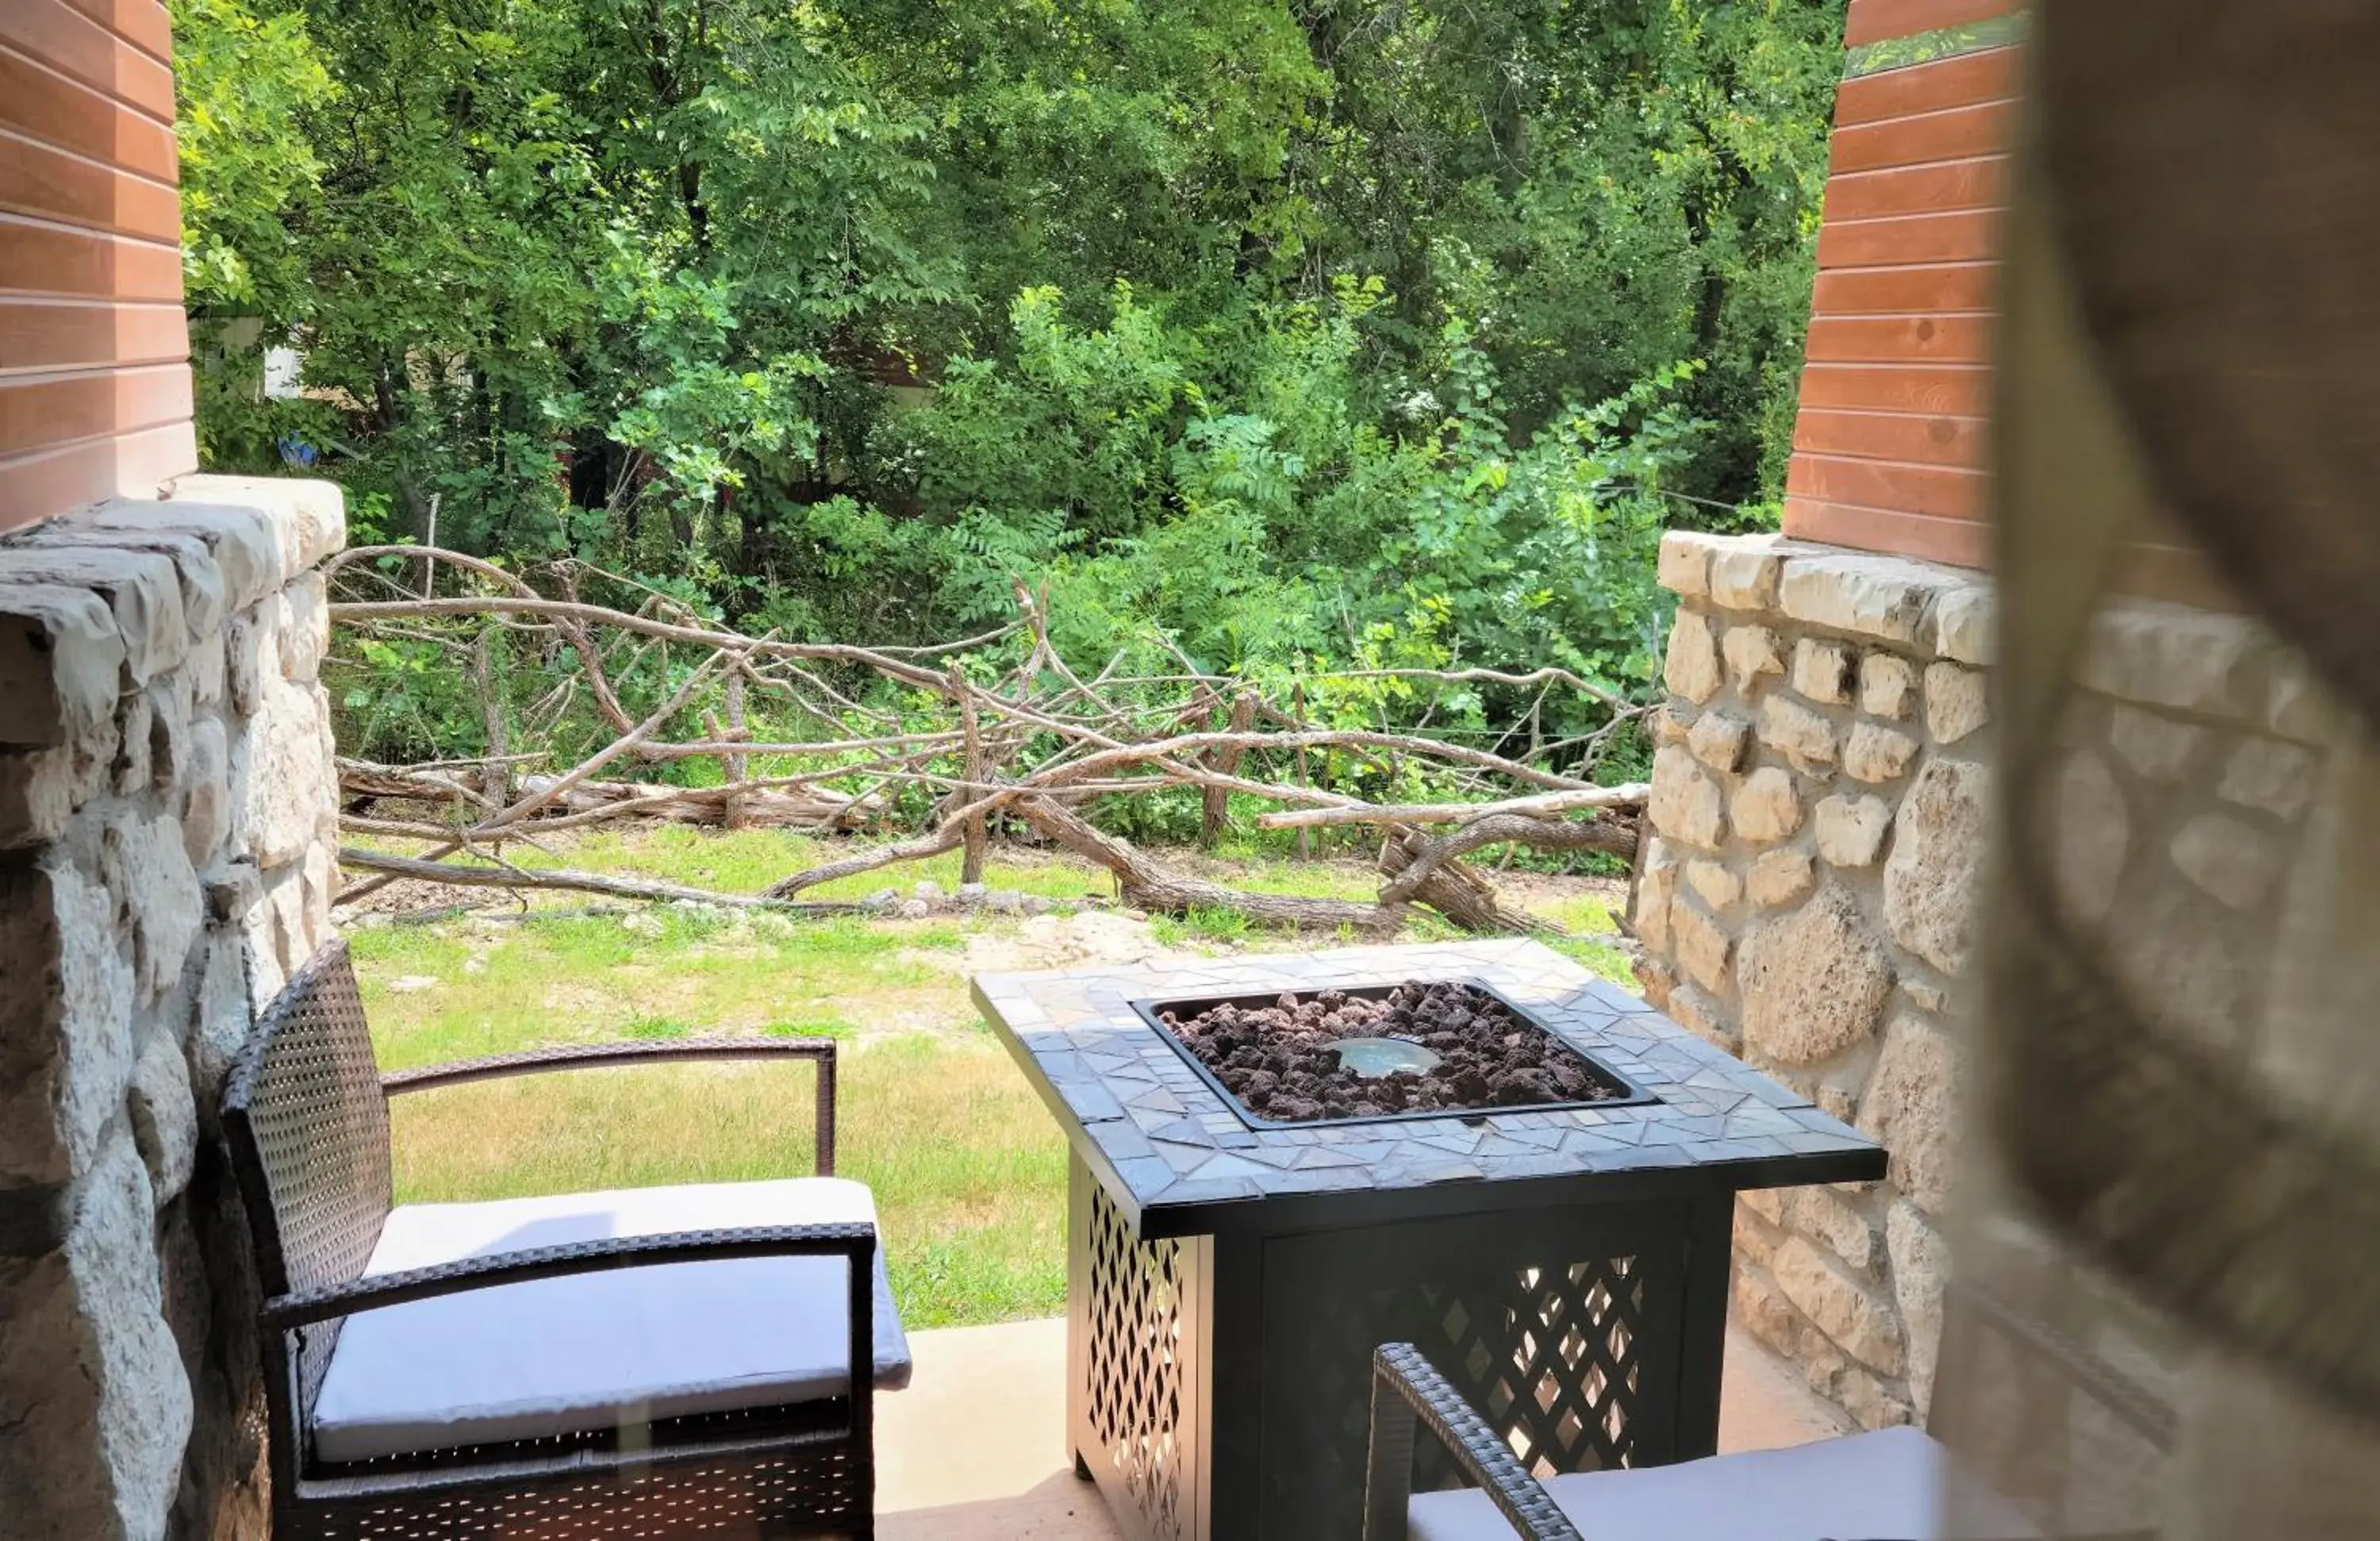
(974, 1450)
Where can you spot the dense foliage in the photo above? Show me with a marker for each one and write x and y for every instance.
(1386, 331)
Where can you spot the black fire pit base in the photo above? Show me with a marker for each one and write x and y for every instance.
(1229, 1278)
(1219, 1386)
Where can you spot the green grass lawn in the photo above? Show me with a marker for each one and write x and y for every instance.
(747, 860)
(969, 1174)
(968, 1170)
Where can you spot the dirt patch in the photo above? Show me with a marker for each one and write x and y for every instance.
(1544, 891)
(1283, 1061)
(1087, 938)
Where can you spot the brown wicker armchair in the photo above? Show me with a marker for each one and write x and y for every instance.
(646, 1362)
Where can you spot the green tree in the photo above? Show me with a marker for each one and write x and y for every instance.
(1267, 330)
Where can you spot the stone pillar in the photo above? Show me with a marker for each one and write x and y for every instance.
(1821, 790)
(168, 829)
(1818, 793)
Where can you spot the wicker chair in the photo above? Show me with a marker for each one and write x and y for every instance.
(1895, 1482)
(638, 1364)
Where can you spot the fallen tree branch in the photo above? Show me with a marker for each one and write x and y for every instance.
(393, 868)
(1546, 834)
(1454, 889)
(946, 838)
(1583, 800)
(562, 783)
(1144, 884)
(755, 803)
(1034, 745)
(351, 611)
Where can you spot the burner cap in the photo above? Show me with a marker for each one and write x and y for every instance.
(1373, 1058)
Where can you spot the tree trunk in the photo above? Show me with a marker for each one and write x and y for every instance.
(1454, 890)
(971, 865)
(1215, 802)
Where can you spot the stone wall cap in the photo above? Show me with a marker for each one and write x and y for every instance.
(1943, 611)
(193, 558)
(1683, 567)
(245, 538)
(1892, 598)
(103, 600)
(311, 515)
(1687, 554)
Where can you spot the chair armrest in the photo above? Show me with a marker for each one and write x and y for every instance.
(2114, 1389)
(1405, 1389)
(590, 1056)
(854, 1240)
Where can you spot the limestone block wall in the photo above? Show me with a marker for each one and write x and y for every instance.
(167, 837)
(1820, 789)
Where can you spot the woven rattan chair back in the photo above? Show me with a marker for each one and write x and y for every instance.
(308, 1130)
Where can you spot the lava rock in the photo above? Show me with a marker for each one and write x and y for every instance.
(1281, 1060)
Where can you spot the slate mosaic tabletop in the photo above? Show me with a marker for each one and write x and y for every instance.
(1173, 1153)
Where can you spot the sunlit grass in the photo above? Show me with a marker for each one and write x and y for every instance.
(1204, 923)
(745, 861)
(968, 1172)
(1338, 879)
(574, 979)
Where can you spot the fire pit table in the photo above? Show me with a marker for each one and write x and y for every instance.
(1229, 1273)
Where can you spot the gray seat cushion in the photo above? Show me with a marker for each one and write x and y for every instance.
(1896, 1484)
(597, 1351)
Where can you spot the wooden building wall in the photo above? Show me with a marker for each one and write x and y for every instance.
(1888, 447)
(94, 377)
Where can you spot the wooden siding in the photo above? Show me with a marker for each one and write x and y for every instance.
(1891, 442)
(1878, 20)
(1889, 445)
(94, 377)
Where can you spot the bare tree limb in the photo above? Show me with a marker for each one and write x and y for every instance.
(945, 838)
(1552, 834)
(1215, 802)
(1078, 739)
(1580, 801)
(562, 783)
(1454, 890)
(1147, 885)
(352, 611)
(393, 868)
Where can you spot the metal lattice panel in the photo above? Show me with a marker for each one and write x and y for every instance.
(1551, 1357)
(1554, 1364)
(1136, 1369)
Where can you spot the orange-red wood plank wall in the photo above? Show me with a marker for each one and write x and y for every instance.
(94, 376)
(1888, 446)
